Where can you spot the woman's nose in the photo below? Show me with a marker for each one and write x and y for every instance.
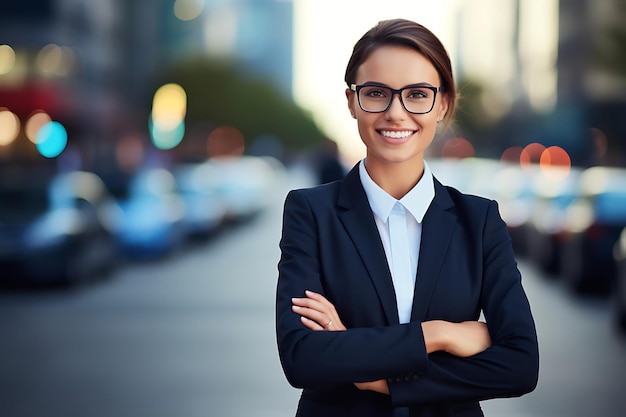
(396, 109)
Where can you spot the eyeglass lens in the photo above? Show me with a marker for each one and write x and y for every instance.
(415, 99)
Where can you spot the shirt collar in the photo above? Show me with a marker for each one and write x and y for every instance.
(416, 201)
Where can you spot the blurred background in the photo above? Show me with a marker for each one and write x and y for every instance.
(146, 148)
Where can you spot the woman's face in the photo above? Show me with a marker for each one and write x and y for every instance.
(396, 136)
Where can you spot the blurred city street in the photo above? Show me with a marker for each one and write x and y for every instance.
(146, 148)
(193, 335)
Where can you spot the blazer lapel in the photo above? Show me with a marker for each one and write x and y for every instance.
(360, 225)
(437, 228)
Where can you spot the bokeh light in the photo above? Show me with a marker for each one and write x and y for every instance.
(594, 180)
(169, 106)
(55, 60)
(225, 141)
(34, 123)
(555, 162)
(512, 154)
(458, 148)
(166, 138)
(530, 155)
(188, 9)
(9, 126)
(51, 139)
(7, 59)
(167, 119)
(579, 216)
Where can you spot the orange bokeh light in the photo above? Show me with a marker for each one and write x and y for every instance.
(555, 162)
(555, 156)
(225, 141)
(35, 122)
(512, 154)
(458, 148)
(531, 154)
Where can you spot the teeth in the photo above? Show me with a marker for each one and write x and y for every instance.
(395, 134)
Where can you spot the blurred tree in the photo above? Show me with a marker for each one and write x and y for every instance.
(470, 115)
(474, 122)
(221, 94)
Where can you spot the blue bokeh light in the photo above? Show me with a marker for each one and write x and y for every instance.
(51, 139)
(166, 139)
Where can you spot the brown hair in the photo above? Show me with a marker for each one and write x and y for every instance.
(407, 33)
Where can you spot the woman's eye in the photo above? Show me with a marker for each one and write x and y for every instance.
(417, 94)
(375, 93)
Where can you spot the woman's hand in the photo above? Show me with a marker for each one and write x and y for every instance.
(376, 386)
(463, 339)
(316, 312)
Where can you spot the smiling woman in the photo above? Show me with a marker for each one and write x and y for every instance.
(320, 54)
(384, 275)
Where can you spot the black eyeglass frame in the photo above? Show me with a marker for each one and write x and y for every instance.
(357, 89)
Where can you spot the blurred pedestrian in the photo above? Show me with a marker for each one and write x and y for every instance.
(328, 166)
(384, 275)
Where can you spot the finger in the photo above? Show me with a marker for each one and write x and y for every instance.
(318, 297)
(320, 317)
(310, 324)
(311, 303)
(323, 301)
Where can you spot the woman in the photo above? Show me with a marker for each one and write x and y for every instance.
(376, 319)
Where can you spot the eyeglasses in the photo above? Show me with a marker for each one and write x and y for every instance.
(415, 98)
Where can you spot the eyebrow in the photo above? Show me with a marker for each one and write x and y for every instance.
(377, 84)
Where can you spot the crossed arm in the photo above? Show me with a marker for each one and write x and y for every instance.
(465, 362)
(463, 339)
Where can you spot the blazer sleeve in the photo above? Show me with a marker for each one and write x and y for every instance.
(321, 358)
(510, 366)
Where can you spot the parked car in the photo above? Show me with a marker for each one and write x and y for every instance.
(247, 184)
(493, 179)
(56, 228)
(516, 198)
(546, 226)
(149, 224)
(593, 225)
(619, 289)
(204, 208)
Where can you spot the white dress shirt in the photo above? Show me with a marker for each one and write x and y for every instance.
(415, 204)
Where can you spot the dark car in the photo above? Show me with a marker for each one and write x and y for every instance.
(593, 224)
(546, 227)
(55, 229)
(619, 289)
(199, 186)
(149, 224)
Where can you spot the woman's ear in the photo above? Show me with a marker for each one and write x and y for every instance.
(443, 108)
(350, 96)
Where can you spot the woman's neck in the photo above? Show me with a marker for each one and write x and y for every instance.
(396, 179)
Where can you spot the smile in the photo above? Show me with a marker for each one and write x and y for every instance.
(395, 134)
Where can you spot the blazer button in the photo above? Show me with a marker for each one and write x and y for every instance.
(399, 379)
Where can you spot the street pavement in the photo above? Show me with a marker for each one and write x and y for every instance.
(193, 335)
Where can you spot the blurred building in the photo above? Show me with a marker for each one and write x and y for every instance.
(592, 76)
(509, 47)
(94, 65)
(546, 71)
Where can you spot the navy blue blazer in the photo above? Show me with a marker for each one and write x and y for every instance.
(330, 244)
